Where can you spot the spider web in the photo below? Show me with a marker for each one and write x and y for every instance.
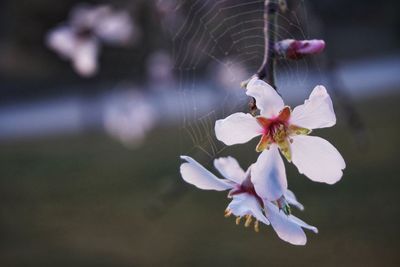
(225, 34)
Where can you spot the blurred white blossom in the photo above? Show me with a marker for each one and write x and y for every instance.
(128, 117)
(79, 40)
(82, 52)
(170, 13)
(230, 74)
(160, 70)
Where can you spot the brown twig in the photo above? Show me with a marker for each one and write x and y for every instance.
(267, 70)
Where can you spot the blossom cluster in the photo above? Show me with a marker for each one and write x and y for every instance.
(261, 192)
(80, 39)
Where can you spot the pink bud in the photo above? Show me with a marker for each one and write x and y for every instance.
(297, 49)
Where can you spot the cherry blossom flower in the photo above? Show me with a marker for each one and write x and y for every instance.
(128, 117)
(252, 193)
(280, 127)
(80, 39)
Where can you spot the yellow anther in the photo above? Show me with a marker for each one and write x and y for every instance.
(248, 221)
(244, 84)
(238, 220)
(280, 134)
(284, 147)
(256, 226)
(297, 130)
(228, 213)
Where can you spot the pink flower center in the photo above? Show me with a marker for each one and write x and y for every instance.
(246, 187)
(276, 130)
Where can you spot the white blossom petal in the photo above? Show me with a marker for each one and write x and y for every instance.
(85, 57)
(87, 16)
(194, 173)
(303, 224)
(268, 174)
(288, 228)
(237, 128)
(318, 159)
(115, 28)
(62, 40)
(316, 112)
(268, 101)
(291, 198)
(230, 169)
(246, 204)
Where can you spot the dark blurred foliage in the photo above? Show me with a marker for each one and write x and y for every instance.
(25, 61)
(352, 29)
(360, 28)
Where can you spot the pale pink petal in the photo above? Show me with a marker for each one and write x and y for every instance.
(311, 47)
(318, 159)
(245, 204)
(230, 169)
(237, 128)
(292, 200)
(316, 112)
(85, 57)
(268, 101)
(87, 16)
(63, 41)
(194, 173)
(297, 49)
(288, 228)
(115, 28)
(303, 224)
(268, 175)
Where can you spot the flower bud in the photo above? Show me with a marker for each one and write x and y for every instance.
(297, 49)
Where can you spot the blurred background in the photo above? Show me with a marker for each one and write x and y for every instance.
(97, 105)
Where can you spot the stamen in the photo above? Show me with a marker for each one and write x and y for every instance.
(287, 210)
(256, 226)
(238, 220)
(227, 213)
(248, 221)
(284, 147)
(264, 143)
(297, 130)
(284, 205)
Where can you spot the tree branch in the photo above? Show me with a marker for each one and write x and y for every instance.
(267, 70)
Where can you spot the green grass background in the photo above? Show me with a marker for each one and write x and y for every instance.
(88, 201)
